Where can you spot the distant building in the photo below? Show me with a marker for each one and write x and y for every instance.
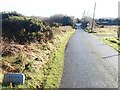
(78, 26)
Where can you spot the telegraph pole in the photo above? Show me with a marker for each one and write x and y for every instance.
(93, 17)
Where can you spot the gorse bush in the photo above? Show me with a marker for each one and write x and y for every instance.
(8, 14)
(59, 19)
(23, 29)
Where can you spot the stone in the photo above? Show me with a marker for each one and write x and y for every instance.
(14, 78)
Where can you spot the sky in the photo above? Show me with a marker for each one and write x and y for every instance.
(76, 8)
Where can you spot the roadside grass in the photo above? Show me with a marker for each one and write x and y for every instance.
(56, 64)
(108, 35)
(107, 30)
(41, 64)
(22, 64)
(89, 31)
(112, 41)
(86, 30)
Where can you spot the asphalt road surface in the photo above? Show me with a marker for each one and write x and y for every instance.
(89, 63)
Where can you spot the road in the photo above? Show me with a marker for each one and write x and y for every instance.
(89, 63)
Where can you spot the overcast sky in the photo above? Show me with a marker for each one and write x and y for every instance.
(104, 8)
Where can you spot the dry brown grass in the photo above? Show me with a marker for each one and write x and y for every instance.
(109, 35)
(32, 57)
(107, 31)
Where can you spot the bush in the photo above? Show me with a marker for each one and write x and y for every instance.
(60, 19)
(102, 26)
(22, 29)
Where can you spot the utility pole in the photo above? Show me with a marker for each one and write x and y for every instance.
(93, 17)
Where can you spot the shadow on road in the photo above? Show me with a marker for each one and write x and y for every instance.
(110, 56)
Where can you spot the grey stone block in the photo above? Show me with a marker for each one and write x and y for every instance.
(14, 78)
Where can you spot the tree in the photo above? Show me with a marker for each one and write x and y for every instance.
(61, 19)
(85, 21)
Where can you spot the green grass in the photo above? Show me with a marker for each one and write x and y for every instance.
(112, 41)
(43, 72)
(108, 34)
(34, 74)
(56, 65)
(87, 30)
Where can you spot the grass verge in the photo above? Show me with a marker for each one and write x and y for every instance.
(56, 64)
(112, 41)
(86, 30)
(108, 35)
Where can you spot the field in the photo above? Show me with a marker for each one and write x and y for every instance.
(108, 34)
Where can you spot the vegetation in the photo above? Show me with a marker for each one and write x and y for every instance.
(103, 29)
(107, 21)
(55, 74)
(32, 47)
(85, 21)
(22, 29)
(102, 22)
(113, 42)
(109, 35)
(106, 29)
(61, 20)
